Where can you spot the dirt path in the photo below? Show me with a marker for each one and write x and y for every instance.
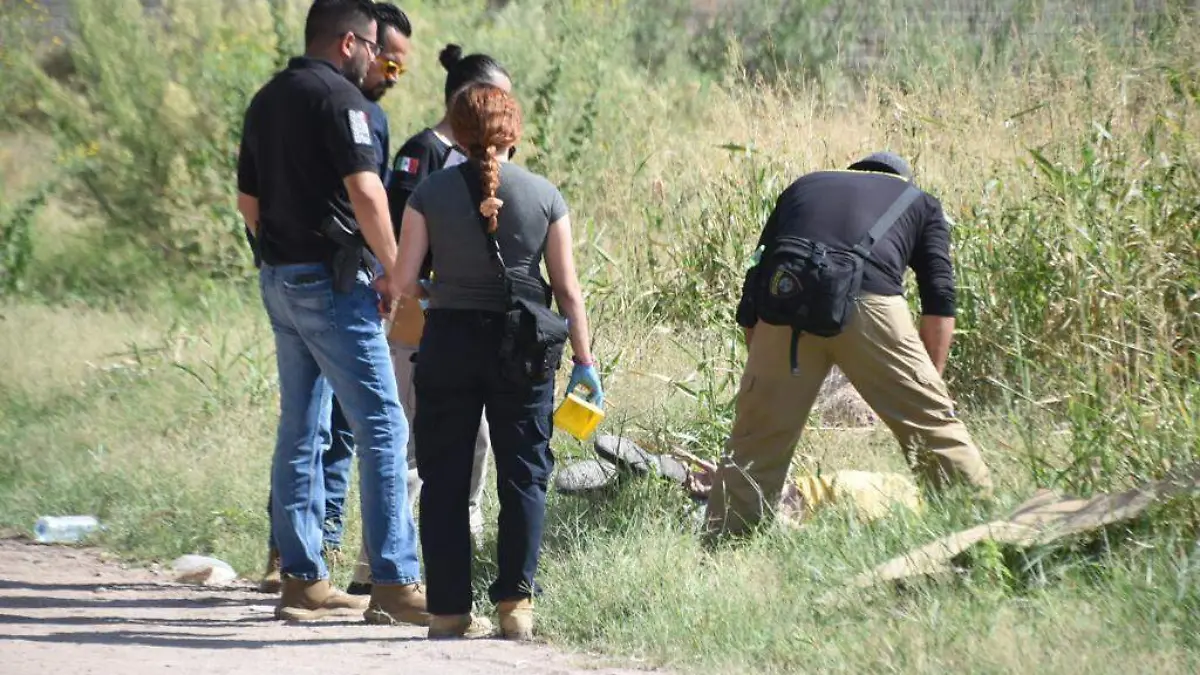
(67, 610)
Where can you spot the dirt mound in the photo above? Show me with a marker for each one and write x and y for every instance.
(840, 405)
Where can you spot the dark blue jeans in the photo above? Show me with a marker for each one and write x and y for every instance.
(336, 460)
(457, 374)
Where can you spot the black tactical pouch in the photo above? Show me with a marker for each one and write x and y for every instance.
(811, 287)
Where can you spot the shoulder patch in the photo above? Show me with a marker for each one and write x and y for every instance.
(360, 131)
(408, 164)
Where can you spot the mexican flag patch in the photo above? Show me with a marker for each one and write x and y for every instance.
(408, 165)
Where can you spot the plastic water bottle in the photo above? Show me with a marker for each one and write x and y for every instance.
(64, 529)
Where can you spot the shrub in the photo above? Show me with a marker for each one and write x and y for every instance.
(153, 102)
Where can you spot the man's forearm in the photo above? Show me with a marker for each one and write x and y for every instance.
(937, 333)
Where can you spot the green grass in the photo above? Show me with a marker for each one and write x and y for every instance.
(174, 463)
(138, 375)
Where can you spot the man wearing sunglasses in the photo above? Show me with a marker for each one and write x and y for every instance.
(308, 173)
(395, 32)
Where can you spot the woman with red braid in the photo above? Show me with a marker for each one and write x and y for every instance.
(451, 214)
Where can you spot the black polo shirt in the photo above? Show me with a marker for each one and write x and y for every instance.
(305, 131)
(837, 208)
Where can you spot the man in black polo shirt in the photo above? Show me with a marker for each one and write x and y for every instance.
(307, 156)
(896, 367)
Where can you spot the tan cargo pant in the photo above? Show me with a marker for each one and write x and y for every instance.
(403, 366)
(883, 356)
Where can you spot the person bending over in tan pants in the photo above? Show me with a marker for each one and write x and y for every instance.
(894, 365)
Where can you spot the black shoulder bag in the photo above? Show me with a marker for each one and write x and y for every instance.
(810, 286)
(531, 348)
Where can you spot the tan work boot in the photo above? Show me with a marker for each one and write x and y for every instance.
(304, 600)
(393, 604)
(271, 581)
(465, 626)
(516, 619)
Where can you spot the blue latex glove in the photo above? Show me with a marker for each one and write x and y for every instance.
(588, 377)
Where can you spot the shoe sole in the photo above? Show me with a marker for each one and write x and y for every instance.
(477, 634)
(585, 475)
(624, 453)
(519, 635)
(473, 635)
(377, 617)
(631, 457)
(300, 614)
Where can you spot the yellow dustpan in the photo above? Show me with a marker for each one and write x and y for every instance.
(578, 417)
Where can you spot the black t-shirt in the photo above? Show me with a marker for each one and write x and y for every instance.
(837, 208)
(305, 131)
(420, 156)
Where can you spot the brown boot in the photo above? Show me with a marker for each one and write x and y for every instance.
(394, 604)
(465, 626)
(311, 600)
(516, 619)
(271, 581)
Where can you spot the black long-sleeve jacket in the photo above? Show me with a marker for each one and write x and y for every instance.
(837, 208)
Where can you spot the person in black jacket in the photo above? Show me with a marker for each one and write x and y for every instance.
(428, 151)
(894, 365)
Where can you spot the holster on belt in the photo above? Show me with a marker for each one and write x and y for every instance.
(351, 253)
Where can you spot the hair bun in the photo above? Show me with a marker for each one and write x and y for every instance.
(450, 56)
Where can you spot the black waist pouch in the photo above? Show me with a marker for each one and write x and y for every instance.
(534, 338)
(808, 286)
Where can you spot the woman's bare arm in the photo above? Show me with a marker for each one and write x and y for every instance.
(560, 263)
(414, 244)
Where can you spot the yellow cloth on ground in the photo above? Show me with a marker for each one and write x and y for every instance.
(872, 495)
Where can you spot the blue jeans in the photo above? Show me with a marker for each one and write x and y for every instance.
(338, 441)
(329, 340)
(457, 375)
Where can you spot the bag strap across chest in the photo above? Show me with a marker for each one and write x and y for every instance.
(887, 221)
